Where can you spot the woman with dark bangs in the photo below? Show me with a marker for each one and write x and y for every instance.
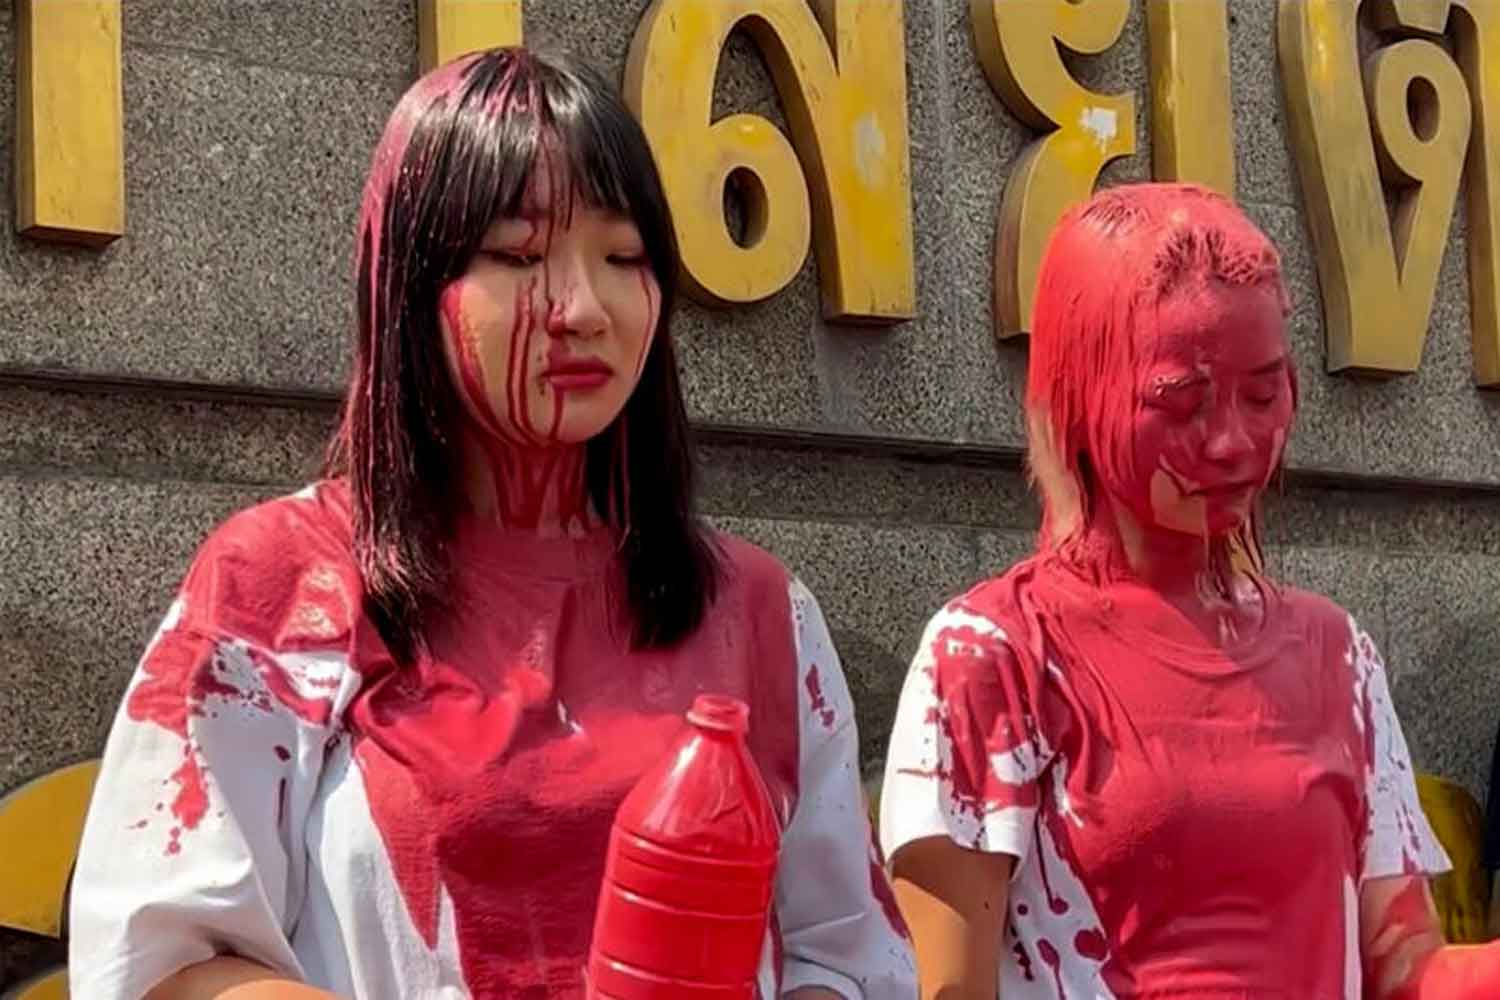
(377, 745)
(1134, 765)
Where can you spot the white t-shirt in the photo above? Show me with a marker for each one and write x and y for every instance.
(274, 788)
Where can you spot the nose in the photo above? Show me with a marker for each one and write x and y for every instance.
(1229, 441)
(576, 306)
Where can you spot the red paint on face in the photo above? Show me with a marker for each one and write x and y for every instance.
(1214, 407)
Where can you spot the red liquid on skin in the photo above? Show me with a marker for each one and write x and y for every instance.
(690, 870)
(577, 381)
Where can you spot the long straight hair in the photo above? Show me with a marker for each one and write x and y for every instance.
(457, 153)
(1108, 264)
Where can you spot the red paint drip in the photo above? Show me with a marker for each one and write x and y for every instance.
(1023, 962)
(1091, 944)
(1054, 962)
(283, 754)
(316, 710)
(191, 802)
(819, 706)
(1056, 904)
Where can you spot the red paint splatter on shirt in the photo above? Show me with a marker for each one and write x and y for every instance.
(819, 704)
(176, 677)
(505, 751)
(1146, 825)
(1091, 945)
(1053, 960)
(191, 801)
(283, 754)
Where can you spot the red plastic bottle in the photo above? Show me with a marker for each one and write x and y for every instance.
(691, 867)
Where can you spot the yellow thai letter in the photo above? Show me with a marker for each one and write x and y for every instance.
(1476, 31)
(1192, 121)
(1018, 41)
(447, 29)
(1378, 275)
(70, 122)
(840, 70)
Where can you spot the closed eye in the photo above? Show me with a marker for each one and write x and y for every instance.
(512, 258)
(1182, 398)
(628, 259)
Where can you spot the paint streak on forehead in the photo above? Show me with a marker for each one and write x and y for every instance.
(1235, 327)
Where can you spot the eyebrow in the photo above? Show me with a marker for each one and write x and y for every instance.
(1270, 367)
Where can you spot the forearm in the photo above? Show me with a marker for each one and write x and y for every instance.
(1405, 957)
(229, 978)
(1455, 972)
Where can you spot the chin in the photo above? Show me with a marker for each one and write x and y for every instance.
(1221, 523)
(580, 430)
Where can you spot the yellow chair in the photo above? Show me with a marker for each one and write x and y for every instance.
(40, 826)
(1462, 895)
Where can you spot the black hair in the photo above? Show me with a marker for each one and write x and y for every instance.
(457, 153)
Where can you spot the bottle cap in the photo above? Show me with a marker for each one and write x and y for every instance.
(720, 712)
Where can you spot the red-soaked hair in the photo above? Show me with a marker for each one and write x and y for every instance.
(1108, 264)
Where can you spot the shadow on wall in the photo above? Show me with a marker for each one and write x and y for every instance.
(875, 675)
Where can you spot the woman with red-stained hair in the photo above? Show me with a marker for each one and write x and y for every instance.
(376, 747)
(1134, 765)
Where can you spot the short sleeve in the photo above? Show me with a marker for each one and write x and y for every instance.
(193, 845)
(840, 928)
(1398, 840)
(966, 754)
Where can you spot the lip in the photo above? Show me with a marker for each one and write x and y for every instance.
(578, 373)
(1224, 491)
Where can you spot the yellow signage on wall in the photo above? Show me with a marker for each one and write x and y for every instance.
(840, 68)
(1408, 126)
(70, 121)
(1377, 278)
(447, 29)
(1192, 121)
(1018, 44)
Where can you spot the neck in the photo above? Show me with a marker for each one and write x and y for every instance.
(537, 490)
(1173, 563)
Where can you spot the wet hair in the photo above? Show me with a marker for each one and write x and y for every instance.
(1109, 263)
(458, 152)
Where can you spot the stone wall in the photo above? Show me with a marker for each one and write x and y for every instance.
(191, 368)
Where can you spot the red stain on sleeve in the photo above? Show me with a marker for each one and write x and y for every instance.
(316, 709)
(820, 706)
(1091, 944)
(175, 678)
